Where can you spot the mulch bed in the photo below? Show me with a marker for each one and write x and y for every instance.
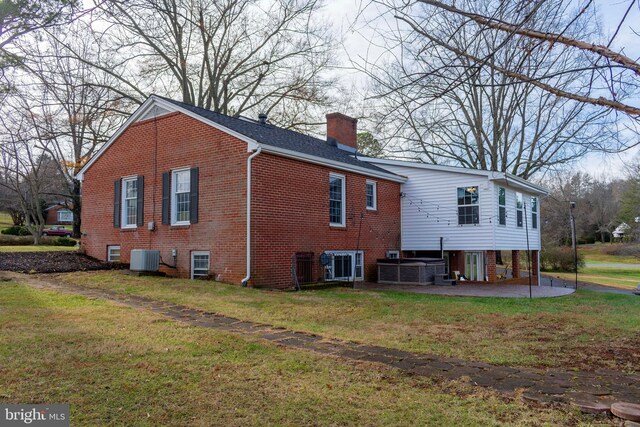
(53, 262)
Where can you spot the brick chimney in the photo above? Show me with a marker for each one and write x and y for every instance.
(343, 129)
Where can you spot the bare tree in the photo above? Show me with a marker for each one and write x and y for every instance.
(612, 75)
(26, 171)
(230, 56)
(75, 108)
(19, 18)
(440, 106)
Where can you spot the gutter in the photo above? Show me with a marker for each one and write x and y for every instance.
(246, 279)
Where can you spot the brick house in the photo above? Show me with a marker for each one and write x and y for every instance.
(58, 214)
(238, 199)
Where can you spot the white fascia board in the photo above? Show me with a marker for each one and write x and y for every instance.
(417, 165)
(510, 180)
(493, 176)
(336, 165)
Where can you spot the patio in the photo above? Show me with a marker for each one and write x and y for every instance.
(474, 290)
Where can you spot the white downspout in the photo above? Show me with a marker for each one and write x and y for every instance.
(246, 279)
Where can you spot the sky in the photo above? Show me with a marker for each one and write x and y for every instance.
(343, 13)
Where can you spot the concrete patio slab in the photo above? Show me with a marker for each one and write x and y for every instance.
(474, 290)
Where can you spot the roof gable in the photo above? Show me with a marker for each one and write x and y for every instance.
(272, 138)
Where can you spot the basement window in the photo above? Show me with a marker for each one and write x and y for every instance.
(113, 253)
(393, 254)
(344, 264)
(200, 264)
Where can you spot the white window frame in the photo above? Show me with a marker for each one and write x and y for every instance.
(534, 213)
(123, 203)
(519, 210)
(458, 206)
(352, 254)
(66, 212)
(393, 254)
(193, 255)
(111, 248)
(503, 206)
(174, 198)
(343, 213)
(374, 184)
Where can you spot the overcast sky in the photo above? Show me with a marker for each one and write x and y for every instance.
(343, 14)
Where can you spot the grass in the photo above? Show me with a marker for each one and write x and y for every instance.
(598, 254)
(5, 220)
(618, 278)
(120, 366)
(34, 248)
(585, 330)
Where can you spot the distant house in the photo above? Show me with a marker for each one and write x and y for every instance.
(58, 214)
(621, 230)
(466, 215)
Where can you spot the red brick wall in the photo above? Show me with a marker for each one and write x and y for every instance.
(343, 128)
(52, 216)
(290, 213)
(492, 274)
(535, 266)
(515, 264)
(290, 205)
(456, 262)
(182, 142)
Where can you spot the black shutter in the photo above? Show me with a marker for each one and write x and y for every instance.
(140, 201)
(166, 196)
(116, 203)
(193, 196)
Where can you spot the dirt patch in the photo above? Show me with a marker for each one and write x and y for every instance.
(53, 262)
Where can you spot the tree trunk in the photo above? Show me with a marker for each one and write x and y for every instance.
(76, 209)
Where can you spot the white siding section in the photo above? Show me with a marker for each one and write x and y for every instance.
(430, 211)
(511, 236)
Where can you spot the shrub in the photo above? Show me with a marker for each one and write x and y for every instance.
(16, 230)
(9, 240)
(64, 241)
(556, 258)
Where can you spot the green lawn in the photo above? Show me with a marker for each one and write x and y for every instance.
(120, 366)
(602, 253)
(39, 248)
(585, 330)
(628, 278)
(5, 220)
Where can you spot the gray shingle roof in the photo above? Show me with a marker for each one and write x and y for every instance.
(282, 138)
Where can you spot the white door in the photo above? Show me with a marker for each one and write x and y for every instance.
(473, 265)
